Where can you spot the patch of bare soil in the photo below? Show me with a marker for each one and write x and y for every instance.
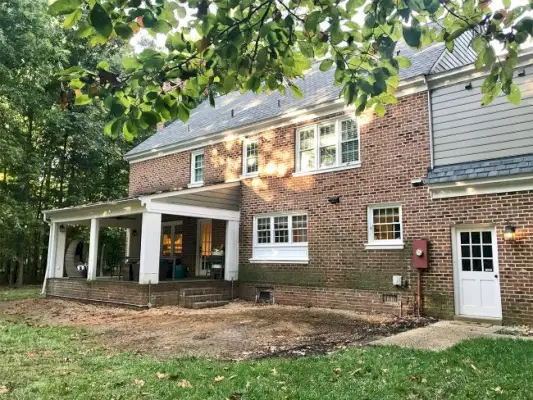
(240, 330)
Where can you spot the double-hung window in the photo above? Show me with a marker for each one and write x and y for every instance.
(250, 165)
(328, 145)
(197, 167)
(280, 238)
(385, 230)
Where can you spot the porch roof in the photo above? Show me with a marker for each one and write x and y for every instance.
(220, 201)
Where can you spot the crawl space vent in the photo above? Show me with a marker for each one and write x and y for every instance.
(264, 296)
(390, 298)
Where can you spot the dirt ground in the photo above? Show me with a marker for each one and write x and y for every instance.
(239, 330)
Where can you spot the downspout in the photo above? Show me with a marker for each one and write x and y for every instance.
(43, 289)
(430, 122)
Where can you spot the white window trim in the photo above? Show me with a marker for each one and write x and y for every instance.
(290, 244)
(395, 244)
(245, 143)
(339, 166)
(193, 159)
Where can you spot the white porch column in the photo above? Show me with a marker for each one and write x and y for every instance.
(59, 261)
(52, 247)
(93, 249)
(150, 247)
(231, 270)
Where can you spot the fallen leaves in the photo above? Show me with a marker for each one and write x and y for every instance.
(219, 378)
(184, 383)
(138, 382)
(498, 390)
(4, 389)
(161, 375)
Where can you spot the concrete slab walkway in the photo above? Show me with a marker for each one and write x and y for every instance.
(441, 335)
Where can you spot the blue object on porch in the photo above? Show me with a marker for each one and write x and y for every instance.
(179, 271)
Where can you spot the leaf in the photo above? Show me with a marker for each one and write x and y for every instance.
(104, 65)
(161, 26)
(124, 31)
(218, 379)
(111, 128)
(72, 18)
(101, 21)
(183, 113)
(506, 3)
(380, 109)
(138, 382)
(326, 65)
(489, 57)
(4, 389)
(352, 5)
(131, 63)
(229, 83)
(185, 384)
(82, 100)
(412, 35)
(182, 12)
(129, 130)
(76, 84)
(515, 95)
(150, 118)
(296, 90)
(403, 62)
(62, 7)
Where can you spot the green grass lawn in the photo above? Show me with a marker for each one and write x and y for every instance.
(53, 363)
(7, 294)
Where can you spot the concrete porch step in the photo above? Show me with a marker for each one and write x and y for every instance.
(208, 304)
(206, 297)
(193, 291)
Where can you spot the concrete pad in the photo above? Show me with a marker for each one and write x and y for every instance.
(441, 335)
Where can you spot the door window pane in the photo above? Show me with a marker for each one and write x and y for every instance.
(465, 238)
(476, 251)
(166, 249)
(476, 264)
(488, 266)
(487, 237)
(466, 264)
(476, 237)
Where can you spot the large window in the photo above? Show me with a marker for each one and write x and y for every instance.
(280, 238)
(172, 239)
(197, 167)
(328, 145)
(250, 165)
(385, 229)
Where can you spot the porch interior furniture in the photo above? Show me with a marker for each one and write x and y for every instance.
(130, 270)
(74, 255)
(216, 266)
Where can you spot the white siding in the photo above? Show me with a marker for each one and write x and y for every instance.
(465, 131)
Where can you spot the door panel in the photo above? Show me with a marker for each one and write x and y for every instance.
(205, 244)
(477, 271)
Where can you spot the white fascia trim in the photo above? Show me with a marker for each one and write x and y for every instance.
(479, 187)
(325, 170)
(259, 261)
(384, 246)
(469, 72)
(109, 209)
(193, 211)
(411, 86)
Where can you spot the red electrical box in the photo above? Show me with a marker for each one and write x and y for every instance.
(420, 254)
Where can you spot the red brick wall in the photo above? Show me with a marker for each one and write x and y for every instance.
(394, 150)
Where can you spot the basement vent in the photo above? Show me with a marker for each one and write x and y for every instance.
(264, 296)
(390, 298)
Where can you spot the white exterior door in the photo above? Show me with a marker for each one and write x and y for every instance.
(476, 263)
(204, 245)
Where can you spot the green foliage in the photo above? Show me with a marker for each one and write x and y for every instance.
(51, 154)
(263, 45)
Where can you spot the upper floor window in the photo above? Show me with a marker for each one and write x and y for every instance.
(250, 165)
(385, 230)
(197, 167)
(327, 145)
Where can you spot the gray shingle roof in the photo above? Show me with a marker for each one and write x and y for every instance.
(482, 169)
(317, 88)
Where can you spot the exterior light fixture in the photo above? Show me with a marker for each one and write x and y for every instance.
(334, 200)
(509, 232)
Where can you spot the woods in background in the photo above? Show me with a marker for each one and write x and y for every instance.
(51, 154)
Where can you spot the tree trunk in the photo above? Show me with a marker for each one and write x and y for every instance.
(63, 162)
(20, 272)
(11, 279)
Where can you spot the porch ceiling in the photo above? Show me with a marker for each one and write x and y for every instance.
(222, 196)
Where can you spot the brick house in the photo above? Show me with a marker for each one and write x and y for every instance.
(300, 202)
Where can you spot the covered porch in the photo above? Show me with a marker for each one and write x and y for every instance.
(181, 237)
